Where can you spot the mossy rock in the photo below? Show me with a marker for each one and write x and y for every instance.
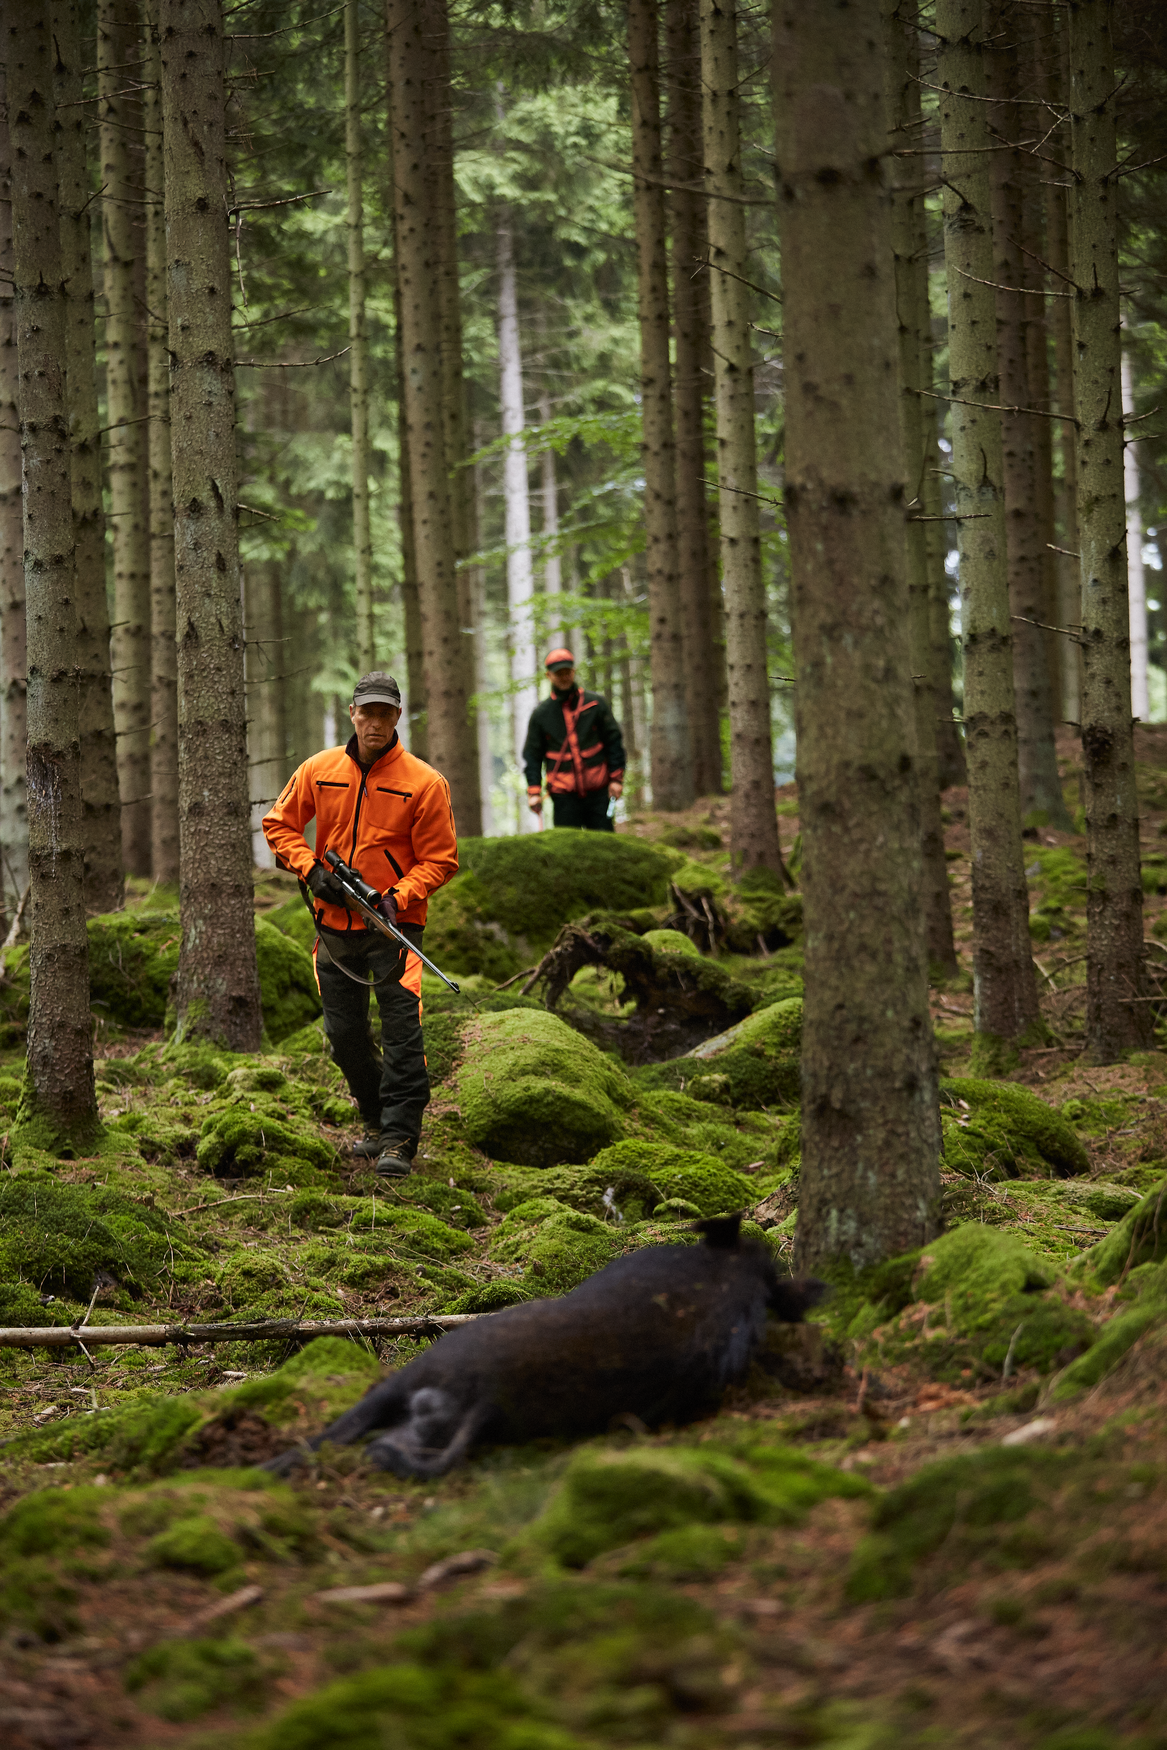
(1140, 1238)
(60, 1238)
(237, 1141)
(633, 1194)
(153, 1434)
(702, 1180)
(559, 1247)
(287, 982)
(998, 1130)
(991, 1298)
(533, 1091)
(414, 1231)
(608, 1499)
(512, 895)
(753, 1064)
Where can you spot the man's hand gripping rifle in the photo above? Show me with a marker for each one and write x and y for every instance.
(366, 902)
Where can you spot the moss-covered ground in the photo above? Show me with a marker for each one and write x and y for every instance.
(935, 1516)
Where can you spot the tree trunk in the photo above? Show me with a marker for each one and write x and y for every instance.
(218, 984)
(163, 651)
(1005, 992)
(100, 804)
(753, 822)
(120, 114)
(59, 1092)
(549, 496)
(520, 579)
(909, 243)
(450, 735)
(1019, 312)
(1069, 575)
(481, 667)
(440, 153)
(358, 340)
(1136, 576)
(698, 570)
(267, 734)
(670, 753)
(1116, 1021)
(870, 1182)
(13, 735)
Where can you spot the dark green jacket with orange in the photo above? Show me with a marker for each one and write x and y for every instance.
(579, 738)
(393, 824)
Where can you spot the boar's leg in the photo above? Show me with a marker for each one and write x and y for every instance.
(414, 1449)
(381, 1406)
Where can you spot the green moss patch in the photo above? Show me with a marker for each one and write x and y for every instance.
(979, 1297)
(998, 1130)
(180, 1681)
(753, 1064)
(243, 1139)
(532, 1091)
(1140, 1238)
(558, 1247)
(153, 1434)
(969, 1505)
(60, 1238)
(610, 1187)
(607, 1499)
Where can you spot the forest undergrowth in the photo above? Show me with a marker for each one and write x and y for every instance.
(937, 1514)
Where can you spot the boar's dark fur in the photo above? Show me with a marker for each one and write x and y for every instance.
(657, 1335)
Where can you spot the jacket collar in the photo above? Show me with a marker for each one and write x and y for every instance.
(353, 753)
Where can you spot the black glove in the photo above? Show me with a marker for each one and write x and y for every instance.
(324, 885)
(389, 908)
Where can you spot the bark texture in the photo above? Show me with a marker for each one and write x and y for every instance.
(358, 338)
(218, 984)
(670, 753)
(697, 566)
(13, 666)
(753, 823)
(1115, 1020)
(120, 116)
(449, 732)
(59, 1083)
(909, 245)
(870, 1184)
(163, 652)
(1020, 323)
(1005, 991)
(1069, 576)
(100, 803)
(517, 509)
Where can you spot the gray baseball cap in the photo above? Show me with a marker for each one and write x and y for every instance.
(377, 689)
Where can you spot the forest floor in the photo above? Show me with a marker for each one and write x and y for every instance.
(931, 1519)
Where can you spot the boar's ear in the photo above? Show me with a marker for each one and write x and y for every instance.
(721, 1231)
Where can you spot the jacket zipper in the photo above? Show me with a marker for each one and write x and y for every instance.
(357, 817)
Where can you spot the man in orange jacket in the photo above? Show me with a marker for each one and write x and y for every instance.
(389, 816)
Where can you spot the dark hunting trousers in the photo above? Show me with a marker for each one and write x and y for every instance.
(391, 1086)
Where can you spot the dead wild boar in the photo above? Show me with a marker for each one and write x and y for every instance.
(656, 1335)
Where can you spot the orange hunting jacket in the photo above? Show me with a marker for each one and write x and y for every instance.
(393, 824)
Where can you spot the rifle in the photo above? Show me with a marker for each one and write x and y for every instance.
(366, 902)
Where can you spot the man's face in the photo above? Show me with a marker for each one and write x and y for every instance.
(562, 679)
(374, 725)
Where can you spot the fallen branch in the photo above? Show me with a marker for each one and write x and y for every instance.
(158, 1336)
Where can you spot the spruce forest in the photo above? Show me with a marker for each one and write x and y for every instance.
(800, 370)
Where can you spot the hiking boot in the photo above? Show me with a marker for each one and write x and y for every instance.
(369, 1147)
(395, 1160)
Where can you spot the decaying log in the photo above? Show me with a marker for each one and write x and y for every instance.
(680, 999)
(158, 1336)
